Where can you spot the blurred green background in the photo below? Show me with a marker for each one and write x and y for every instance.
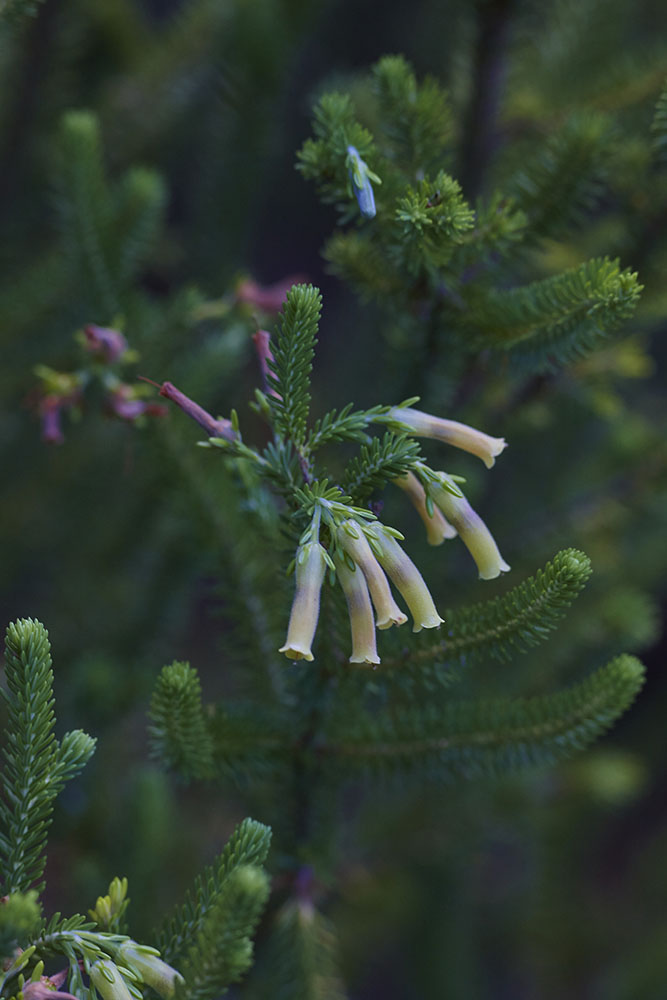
(547, 885)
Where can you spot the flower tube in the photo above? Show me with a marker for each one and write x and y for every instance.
(451, 432)
(474, 533)
(310, 568)
(108, 981)
(362, 627)
(437, 526)
(387, 610)
(408, 580)
(146, 962)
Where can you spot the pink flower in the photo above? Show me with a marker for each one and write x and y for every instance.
(109, 343)
(268, 298)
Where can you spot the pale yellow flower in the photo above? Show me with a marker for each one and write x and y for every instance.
(474, 533)
(310, 569)
(362, 627)
(353, 542)
(437, 526)
(407, 579)
(451, 432)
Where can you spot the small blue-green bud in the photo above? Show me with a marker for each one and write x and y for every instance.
(360, 178)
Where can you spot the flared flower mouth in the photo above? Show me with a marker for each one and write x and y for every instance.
(450, 431)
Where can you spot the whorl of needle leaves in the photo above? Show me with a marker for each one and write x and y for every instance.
(208, 937)
(301, 958)
(467, 738)
(178, 732)
(293, 361)
(37, 765)
(556, 319)
(107, 230)
(505, 625)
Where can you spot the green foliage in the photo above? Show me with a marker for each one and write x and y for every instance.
(107, 231)
(37, 765)
(247, 847)
(292, 364)
(20, 916)
(378, 463)
(179, 734)
(324, 159)
(562, 184)
(301, 962)
(476, 737)
(432, 219)
(520, 619)
(15, 11)
(221, 950)
(415, 118)
(557, 319)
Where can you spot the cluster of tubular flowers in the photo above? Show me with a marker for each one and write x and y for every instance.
(138, 964)
(437, 497)
(366, 557)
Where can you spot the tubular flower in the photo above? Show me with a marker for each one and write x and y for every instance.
(353, 542)
(364, 649)
(407, 579)
(437, 526)
(310, 568)
(475, 534)
(146, 962)
(108, 981)
(451, 432)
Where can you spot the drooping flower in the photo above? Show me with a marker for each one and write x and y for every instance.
(108, 981)
(362, 627)
(309, 572)
(451, 432)
(153, 971)
(406, 577)
(353, 542)
(472, 529)
(437, 526)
